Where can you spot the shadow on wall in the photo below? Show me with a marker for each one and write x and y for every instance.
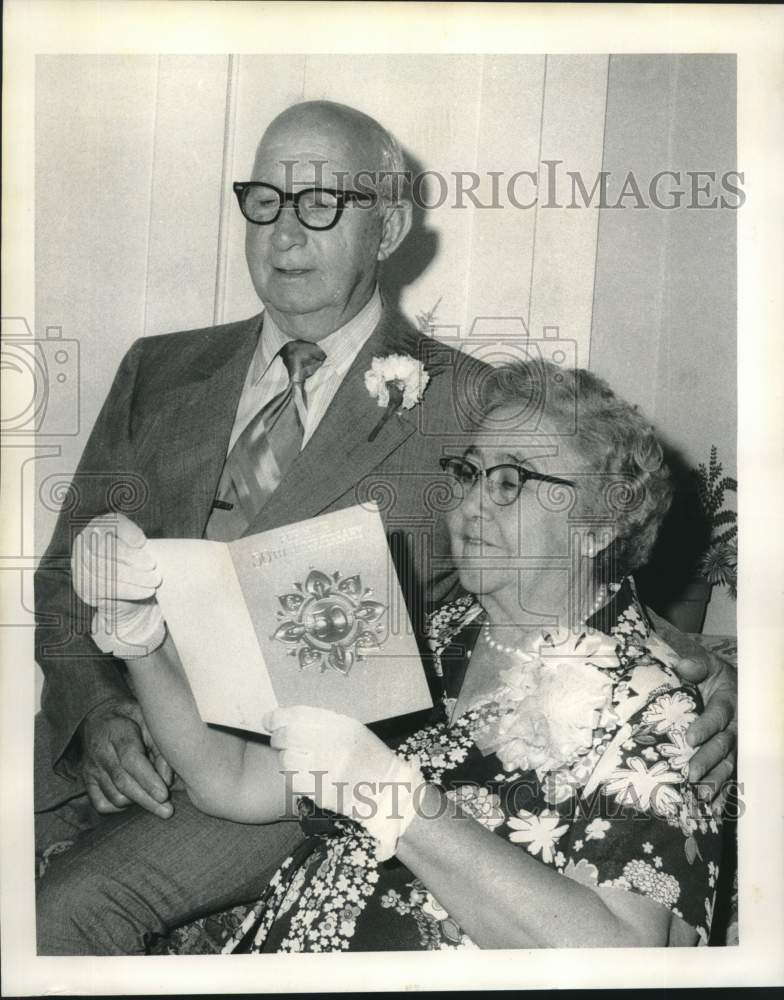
(684, 536)
(419, 249)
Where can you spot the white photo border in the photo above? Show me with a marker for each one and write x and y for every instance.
(754, 33)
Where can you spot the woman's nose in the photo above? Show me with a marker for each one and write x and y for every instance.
(476, 498)
(287, 230)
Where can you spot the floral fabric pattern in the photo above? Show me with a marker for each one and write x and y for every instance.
(616, 812)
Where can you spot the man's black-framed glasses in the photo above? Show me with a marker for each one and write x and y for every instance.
(315, 207)
(504, 482)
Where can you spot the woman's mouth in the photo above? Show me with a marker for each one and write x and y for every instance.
(474, 544)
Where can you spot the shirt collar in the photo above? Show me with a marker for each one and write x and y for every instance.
(341, 346)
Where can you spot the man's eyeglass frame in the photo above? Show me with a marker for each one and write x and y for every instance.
(342, 197)
(524, 475)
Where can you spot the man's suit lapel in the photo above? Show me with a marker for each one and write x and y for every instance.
(339, 455)
(194, 427)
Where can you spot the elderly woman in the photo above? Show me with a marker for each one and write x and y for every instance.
(547, 803)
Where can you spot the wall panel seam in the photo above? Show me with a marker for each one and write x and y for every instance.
(229, 128)
(598, 214)
(150, 202)
(536, 208)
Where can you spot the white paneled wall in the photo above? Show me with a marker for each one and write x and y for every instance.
(565, 258)
(507, 142)
(185, 197)
(95, 156)
(664, 321)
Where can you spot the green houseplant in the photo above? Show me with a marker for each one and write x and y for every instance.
(718, 564)
(698, 548)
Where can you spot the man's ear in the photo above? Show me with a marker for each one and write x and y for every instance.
(395, 228)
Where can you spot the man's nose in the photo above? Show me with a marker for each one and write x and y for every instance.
(287, 230)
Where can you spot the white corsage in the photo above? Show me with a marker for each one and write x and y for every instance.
(397, 382)
(556, 698)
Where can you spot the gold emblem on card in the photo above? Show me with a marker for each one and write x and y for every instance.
(329, 622)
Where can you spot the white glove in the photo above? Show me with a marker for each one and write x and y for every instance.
(342, 766)
(114, 572)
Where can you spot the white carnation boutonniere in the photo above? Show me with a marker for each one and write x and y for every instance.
(397, 382)
(555, 699)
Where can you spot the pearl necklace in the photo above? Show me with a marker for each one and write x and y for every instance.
(601, 599)
(515, 650)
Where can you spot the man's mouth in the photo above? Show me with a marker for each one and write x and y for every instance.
(291, 272)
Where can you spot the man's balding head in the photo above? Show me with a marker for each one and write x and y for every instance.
(314, 281)
(376, 151)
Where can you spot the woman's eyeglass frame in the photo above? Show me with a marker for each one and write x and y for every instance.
(342, 197)
(524, 475)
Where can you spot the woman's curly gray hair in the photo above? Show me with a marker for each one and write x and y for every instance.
(614, 440)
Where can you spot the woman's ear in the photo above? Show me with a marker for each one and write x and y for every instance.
(595, 542)
(599, 561)
(395, 228)
(596, 570)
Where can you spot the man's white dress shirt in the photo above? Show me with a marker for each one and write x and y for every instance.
(267, 375)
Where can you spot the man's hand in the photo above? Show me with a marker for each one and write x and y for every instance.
(120, 763)
(715, 732)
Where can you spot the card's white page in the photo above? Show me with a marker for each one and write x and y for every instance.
(205, 612)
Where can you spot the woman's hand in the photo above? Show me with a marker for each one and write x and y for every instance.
(114, 572)
(342, 766)
(502, 896)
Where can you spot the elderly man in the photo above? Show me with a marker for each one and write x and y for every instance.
(180, 447)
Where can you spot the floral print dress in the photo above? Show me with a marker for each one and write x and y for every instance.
(617, 812)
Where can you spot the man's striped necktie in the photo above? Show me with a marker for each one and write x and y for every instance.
(272, 440)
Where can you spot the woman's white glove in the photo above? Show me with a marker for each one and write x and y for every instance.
(114, 572)
(342, 766)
